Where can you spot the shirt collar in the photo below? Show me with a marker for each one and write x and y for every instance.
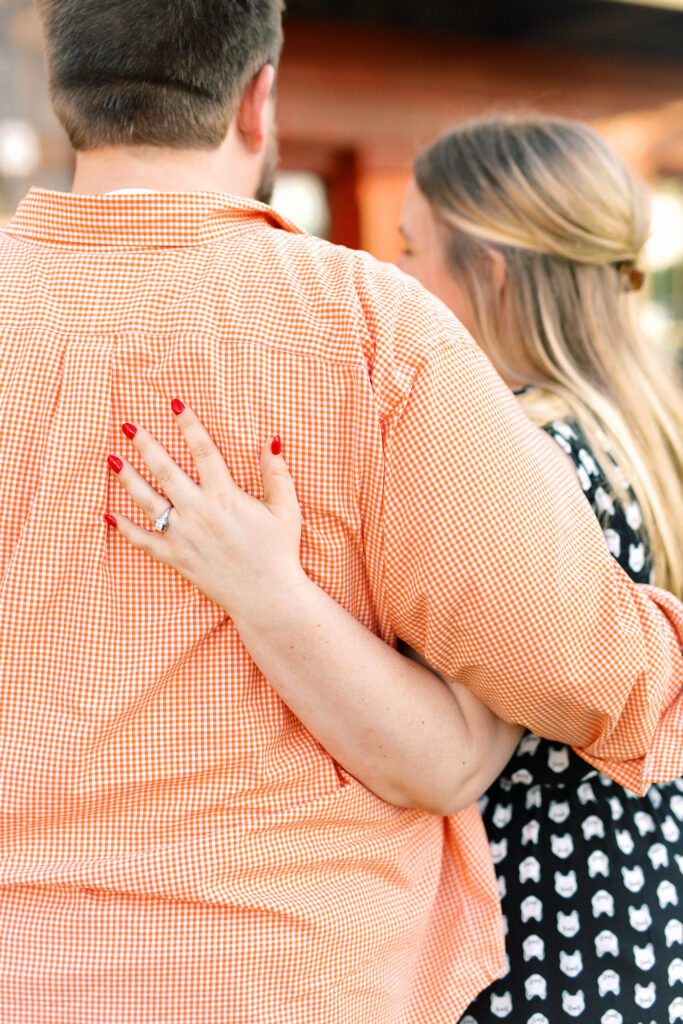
(140, 219)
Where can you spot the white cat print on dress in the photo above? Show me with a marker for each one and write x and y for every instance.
(609, 981)
(532, 907)
(602, 902)
(634, 878)
(501, 1006)
(566, 885)
(593, 828)
(598, 864)
(644, 957)
(568, 924)
(558, 812)
(573, 1003)
(667, 894)
(533, 947)
(562, 846)
(530, 832)
(571, 964)
(645, 995)
(640, 917)
(659, 856)
(606, 942)
(535, 986)
(675, 971)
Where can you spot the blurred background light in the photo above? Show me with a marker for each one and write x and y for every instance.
(665, 246)
(19, 149)
(669, 5)
(303, 198)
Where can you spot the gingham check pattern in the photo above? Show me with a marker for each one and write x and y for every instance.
(175, 846)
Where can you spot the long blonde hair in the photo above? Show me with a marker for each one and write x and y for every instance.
(570, 220)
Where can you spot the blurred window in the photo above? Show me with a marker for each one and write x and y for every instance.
(664, 261)
(303, 198)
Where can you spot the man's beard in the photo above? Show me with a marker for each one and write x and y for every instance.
(264, 192)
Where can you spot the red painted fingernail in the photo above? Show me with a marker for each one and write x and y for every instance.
(115, 463)
(109, 520)
(129, 430)
(276, 445)
(177, 406)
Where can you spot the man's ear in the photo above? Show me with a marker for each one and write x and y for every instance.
(252, 114)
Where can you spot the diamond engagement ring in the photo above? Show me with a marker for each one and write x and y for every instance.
(161, 521)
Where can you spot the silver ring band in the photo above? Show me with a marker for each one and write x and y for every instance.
(161, 521)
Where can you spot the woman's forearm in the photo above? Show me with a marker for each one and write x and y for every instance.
(411, 737)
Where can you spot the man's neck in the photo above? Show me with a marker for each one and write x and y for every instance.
(164, 170)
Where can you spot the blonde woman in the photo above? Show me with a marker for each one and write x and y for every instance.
(530, 230)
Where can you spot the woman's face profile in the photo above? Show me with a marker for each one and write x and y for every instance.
(424, 257)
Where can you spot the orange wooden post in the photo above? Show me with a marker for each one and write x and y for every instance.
(380, 197)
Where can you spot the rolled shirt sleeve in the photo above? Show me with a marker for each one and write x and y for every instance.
(496, 571)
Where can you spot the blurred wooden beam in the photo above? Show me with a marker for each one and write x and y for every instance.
(386, 94)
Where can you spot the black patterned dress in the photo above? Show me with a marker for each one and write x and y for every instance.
(590, 876)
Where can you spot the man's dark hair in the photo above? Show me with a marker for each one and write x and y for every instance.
(155, 72)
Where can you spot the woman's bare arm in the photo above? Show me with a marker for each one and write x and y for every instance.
(413, 737)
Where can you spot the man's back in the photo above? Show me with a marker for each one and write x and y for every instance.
(150, 766)
(176, 845)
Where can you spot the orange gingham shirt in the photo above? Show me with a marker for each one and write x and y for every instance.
(176, 847)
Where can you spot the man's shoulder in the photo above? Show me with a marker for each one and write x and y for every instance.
(397, 322)
(229, 269)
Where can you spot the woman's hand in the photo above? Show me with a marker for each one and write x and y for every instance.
(412, 737)
(227, 543)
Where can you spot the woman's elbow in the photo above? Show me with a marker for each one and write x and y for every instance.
(443, 796)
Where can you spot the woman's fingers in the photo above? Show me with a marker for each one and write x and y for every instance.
(179, 490)
(207, 457)
(279, 493)
(172, 480)
(149, 501)
(150, 543)
(226, 542)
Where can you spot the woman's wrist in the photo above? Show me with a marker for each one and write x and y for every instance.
(275, 598)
